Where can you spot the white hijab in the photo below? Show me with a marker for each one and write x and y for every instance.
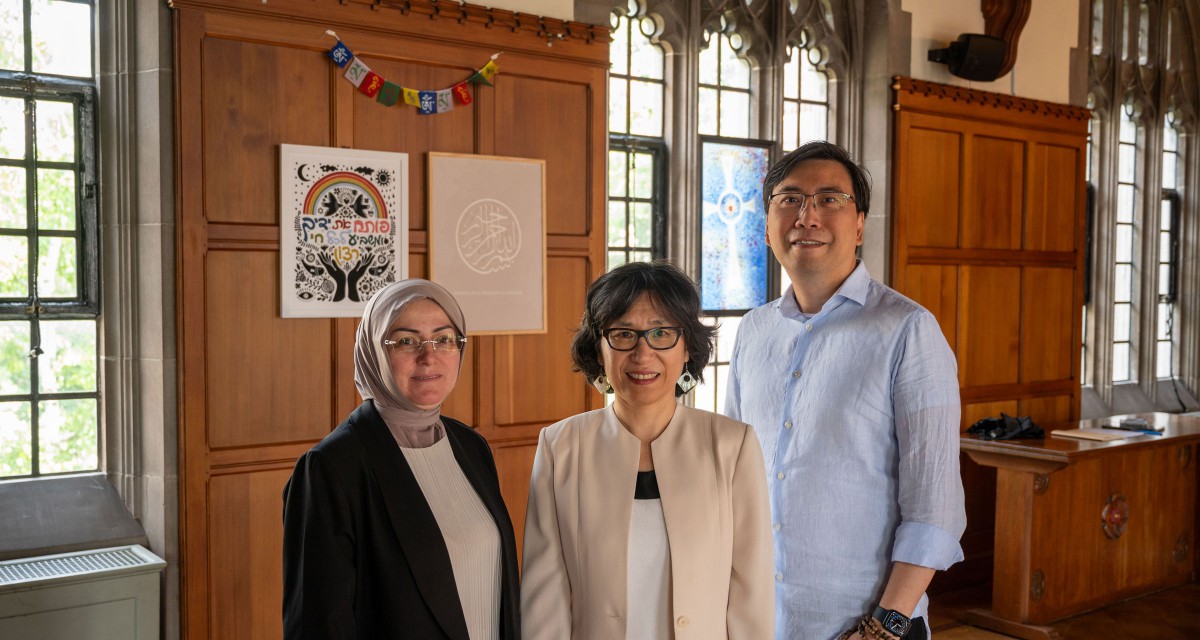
(410, 425)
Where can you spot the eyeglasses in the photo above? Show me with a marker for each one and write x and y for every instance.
(658, 338)
(824, 202)
(445, 343)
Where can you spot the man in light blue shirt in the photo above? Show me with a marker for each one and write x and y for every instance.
(853, 392)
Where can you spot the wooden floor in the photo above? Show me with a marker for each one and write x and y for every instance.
(1173, 614)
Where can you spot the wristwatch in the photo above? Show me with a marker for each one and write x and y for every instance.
(893, 622)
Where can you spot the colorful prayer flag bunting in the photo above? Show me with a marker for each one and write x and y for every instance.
(389, 93)
(445, 101)
(371, 84)
(428, 102)
(340, 54)
(489, 70)
(462, 93)
(356, 72)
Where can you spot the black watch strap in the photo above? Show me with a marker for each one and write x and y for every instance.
(893, 622)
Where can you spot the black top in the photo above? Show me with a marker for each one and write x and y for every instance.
(646, 487)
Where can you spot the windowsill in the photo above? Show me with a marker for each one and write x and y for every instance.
(64, 513)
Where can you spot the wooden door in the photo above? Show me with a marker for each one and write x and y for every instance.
(988, 235)
(257, 390)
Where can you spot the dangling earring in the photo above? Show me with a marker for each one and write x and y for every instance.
(686, 382)
(601, 384)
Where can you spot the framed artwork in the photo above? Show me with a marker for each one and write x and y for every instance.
(733, 246)
(343, 228)
(487, 239)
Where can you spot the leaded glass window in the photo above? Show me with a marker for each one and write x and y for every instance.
(49, 394)
(1125, 232)
(725, 100)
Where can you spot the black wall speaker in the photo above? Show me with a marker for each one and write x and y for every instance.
(973, 56)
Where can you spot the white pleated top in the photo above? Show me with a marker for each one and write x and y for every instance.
(649, 574)
(469, 531)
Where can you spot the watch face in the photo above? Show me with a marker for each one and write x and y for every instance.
(896, 623)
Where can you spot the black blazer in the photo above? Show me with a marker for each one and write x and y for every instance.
(362, 553)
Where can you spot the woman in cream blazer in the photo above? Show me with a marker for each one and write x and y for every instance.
(582, 527)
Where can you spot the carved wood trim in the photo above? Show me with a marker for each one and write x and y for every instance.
(1005, 19)
(921, 95)
(548, 29)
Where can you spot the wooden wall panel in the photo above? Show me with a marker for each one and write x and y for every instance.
(526, 365)
(250, 94)
(991, 216)
(275, 382)
(1049, 409)
(246, 580)
(935, 287)
(257, 390)
(989, 325)
(1050, 219)
(562, 141)
(1047, 322)
(933, 166)
(515, 463)
(1013, 306)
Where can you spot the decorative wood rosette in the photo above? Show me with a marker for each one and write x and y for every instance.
(1041, 482)
(1115, 516)
(1180, 554)
(1037, 585)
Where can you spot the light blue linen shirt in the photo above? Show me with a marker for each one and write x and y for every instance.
(857, 410)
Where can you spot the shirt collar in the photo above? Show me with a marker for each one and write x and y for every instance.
(855, 287)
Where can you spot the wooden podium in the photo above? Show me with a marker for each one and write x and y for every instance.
(1081, 524)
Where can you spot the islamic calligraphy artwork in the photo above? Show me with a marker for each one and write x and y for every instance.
(343, 228)
(733, 248)
(489, 236)
(487, 239)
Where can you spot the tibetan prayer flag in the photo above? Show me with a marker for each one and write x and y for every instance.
(488, 71)
(462, 93)
(371, 84)
(428, 103)
(389, 94)
(445, 101)
(411, 96)
(340, 54)
(477, 78)
(356, 72)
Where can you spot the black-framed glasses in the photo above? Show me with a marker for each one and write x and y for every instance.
(826, 202)
(445, 343)
(658, 338)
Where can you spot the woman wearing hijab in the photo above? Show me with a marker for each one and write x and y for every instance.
(394, 526)
(647, 520)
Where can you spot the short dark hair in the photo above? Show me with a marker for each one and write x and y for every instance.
(820, 150)
(671, 292)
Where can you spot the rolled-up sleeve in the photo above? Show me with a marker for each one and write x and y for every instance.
(927, 414)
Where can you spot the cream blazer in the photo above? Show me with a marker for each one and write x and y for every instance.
(714, 498)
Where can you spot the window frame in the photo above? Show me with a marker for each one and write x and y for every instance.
(657, 149)
(34, 309)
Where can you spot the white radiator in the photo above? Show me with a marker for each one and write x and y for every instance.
(101, 594)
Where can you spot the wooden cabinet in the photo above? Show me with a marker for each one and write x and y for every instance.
(1083, 524)
(988, 235)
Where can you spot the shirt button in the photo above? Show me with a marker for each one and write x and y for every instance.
(787, 425)
(777, 526)
(682, 621)
(779, 475)
(795, 374)
(808, 327)
(779, 577)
